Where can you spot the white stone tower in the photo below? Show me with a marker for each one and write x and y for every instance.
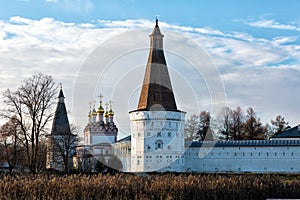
(157, 126)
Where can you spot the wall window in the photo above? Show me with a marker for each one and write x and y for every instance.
(158, 144)
(159, 134)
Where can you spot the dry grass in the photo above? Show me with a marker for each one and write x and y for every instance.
(167, 186)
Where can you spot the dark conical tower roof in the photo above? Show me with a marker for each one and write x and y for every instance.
(157, 92)
(61, 124)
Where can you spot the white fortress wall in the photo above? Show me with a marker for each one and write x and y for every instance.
(239, 156)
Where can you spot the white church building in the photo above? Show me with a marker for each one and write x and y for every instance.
(157, 140)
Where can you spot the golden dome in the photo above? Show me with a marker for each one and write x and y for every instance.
(111, 113)
(94, 112)
(100, 109)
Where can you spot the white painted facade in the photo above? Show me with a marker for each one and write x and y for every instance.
(237, 156)
(260, 156)
(157, 141)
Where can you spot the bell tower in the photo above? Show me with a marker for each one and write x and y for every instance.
(157, 126)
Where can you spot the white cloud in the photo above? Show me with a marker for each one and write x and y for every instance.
(256, 72)
(270, 23)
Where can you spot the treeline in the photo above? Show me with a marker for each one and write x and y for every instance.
(232, 124)
(168, 186)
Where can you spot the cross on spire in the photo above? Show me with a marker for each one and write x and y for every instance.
(92, 104)
(110, 104)
(100, 97)
(107, 104)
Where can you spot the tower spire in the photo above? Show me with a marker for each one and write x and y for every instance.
(157, 92)
(60, 124)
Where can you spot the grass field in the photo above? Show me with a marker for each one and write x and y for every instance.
(154, 186)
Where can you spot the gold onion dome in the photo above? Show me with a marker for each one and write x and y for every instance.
(94, 112)
(106, 114)
(111, 112)
(100, 109)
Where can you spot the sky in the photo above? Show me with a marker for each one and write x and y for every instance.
(244, 52)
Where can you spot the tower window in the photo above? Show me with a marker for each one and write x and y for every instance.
(159, 134)
(158, 144)
(169, 134)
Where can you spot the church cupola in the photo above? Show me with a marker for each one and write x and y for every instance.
(94, 115)
(111, 113)
(100, 110)
(106, 115)
(90, 114)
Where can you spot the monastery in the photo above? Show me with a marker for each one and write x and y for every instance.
(156, 142)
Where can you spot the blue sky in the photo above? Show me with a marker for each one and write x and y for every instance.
(253, 44)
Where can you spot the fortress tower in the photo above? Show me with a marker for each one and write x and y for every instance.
(157, 137)
(61, 142)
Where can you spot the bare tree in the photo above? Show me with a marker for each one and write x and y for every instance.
(115, 163)
(224, 120)
(253, 127)
(204, 125)
(191, 127)
(279, 124)
(237, 117)
(65, 146)
(197, 127)
(11, 143)
(31, 104)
